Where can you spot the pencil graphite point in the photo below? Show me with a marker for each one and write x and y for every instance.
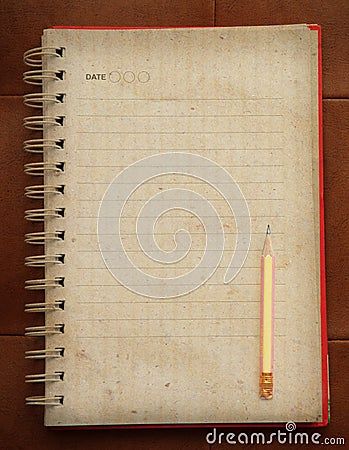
(268, 229)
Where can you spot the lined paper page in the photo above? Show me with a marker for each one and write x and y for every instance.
(175, 164)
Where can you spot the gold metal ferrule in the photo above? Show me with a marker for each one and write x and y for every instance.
(266, 385)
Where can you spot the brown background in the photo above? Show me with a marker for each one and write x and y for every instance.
(22, 22)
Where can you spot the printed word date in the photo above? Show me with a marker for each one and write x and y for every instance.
(96, 76)
(119, 76)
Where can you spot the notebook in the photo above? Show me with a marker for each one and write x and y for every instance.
(160, 157)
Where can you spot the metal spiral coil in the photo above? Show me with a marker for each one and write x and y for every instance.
(37, 100)
(40, 145)
(37, 77)
(44, 283)
(57, 305)
(44, 377)
(39, 191)
(38, 169)
(45, 330)
(34, 57)
(41, 237)
(43, 260)
(37, 123)
(39, 215)
(45, 353)
(41, 400)
(51, 168)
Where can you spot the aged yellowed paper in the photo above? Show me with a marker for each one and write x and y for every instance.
(180, 146)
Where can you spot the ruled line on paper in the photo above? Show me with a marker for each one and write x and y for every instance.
(233, 166)
(186, 116)
(181, 124)
(179, 132)
(223, 216)
(175, 319)
(178, 182)
(230, 99)
(231, 233)
(208, 283)
(168, 302)
(212, 199)
(169, 327)
(138, 251)
(179, 150)
(170, 268)
(151, 217)
(173, 251)
(202, 215)
(176, 336)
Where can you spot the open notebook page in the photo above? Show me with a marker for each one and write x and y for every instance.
(175, 163)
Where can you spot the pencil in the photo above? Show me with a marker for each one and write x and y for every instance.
(267, 319)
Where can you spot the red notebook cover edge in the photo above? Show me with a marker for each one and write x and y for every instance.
(324, 340)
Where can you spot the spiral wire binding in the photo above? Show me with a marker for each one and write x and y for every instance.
(45, 353)
(44, 377)
(38, 169)
(41, 400)
(41, 237)
(34, 57)
(39, 215)
(37, 123)
(46, 306)
(37, 77)
(40, 76)
(43, 260)
(38, 99)
(45, 330)
(38, 145)
(39, 191)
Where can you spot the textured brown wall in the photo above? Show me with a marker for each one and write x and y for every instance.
(21, 25)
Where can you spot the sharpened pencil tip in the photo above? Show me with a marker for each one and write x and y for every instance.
(268, 229)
